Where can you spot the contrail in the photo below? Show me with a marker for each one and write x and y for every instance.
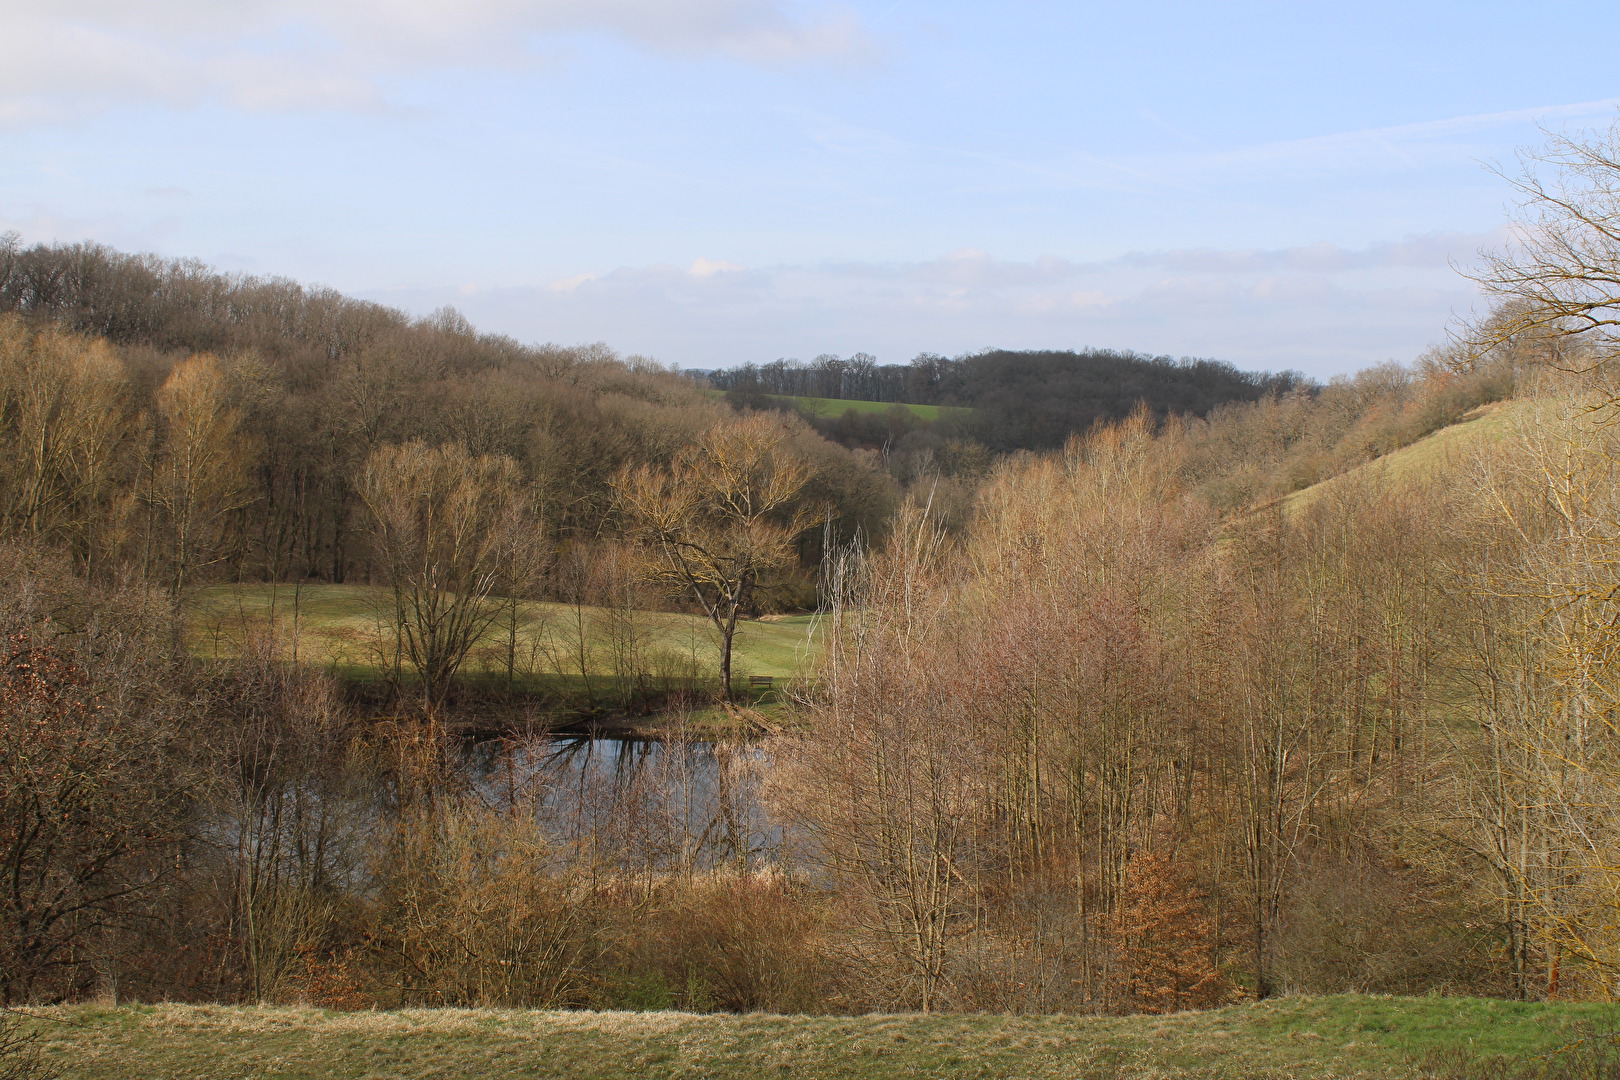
(887, 11)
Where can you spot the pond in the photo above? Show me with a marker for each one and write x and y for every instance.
(640, 803)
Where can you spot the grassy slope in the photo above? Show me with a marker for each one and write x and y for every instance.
(1427, 458)
(826, 407)
(337, 628)
(1292, 1037)
(816, 406)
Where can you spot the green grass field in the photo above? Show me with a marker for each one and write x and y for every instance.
(1427, 458)
(339, 627)
(833, 407)
(1305, 1038)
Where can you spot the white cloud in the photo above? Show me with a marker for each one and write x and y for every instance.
(569, 284)
(73, 56)
(1321, 308)
(706, 268)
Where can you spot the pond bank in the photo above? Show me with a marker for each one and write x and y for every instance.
(481, 713)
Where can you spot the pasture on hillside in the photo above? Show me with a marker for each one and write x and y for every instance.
(832, 407)
(1430, 457)
(556, 647)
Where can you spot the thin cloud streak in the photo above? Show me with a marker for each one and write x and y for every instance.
(1413, 146)
(1197, 169)
(1349, 148)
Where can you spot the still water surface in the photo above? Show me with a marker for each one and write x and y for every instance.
(642, 801)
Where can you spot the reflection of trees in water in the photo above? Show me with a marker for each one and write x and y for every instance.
(635, 804)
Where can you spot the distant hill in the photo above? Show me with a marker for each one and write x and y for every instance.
(1036, 400)
(1021, 400)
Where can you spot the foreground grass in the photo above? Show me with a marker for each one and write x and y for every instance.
(1327, 1037)
(337, 627)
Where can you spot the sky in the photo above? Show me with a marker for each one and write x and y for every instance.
(710, 182)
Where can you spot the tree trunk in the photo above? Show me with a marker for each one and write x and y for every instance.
(728, 632)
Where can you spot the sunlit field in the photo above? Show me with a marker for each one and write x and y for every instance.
(1428, 459)
(344, 628)
(826, 407)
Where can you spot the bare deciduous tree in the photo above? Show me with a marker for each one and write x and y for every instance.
(92, 788)
(64, 421)
(199, 473)
(889, 776)
(1559, 278)
(443, 520)
(284, 823)
(1543, 780)
(721, 518)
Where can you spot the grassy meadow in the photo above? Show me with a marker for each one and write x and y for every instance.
(342, 628)
(1428, 459)
(824, 408)
(1304, 1038)
(830, 407)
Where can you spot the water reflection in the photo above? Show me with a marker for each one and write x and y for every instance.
(642, 804)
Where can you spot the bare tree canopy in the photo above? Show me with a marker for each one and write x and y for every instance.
(722, 517)
(444, 520)
(1559, 276)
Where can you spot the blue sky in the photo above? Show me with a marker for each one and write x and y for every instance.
(714, 181)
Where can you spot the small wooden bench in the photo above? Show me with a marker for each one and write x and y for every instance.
(765, 681)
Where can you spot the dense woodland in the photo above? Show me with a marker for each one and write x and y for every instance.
(1019, 400)
(1244, 693)
(248, 408)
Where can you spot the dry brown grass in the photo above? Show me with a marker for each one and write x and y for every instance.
(1301, 1037)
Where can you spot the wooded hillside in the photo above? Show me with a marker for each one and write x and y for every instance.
(274, 395)
(1027, 400)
